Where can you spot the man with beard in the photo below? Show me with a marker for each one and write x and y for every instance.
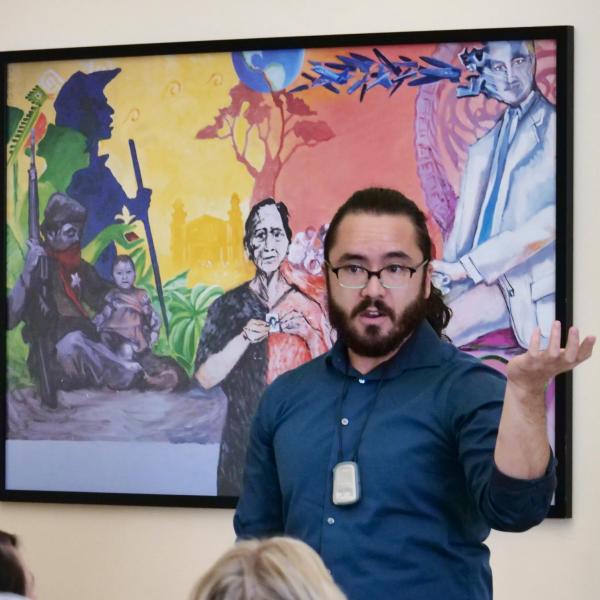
(76, 357)
(394, 454)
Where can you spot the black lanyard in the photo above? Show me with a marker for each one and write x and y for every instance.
(340, 404)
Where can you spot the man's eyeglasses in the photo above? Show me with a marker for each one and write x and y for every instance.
(391, 276)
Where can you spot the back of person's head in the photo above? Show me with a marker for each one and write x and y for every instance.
(273, 569)
(8, 539)
(13, 577)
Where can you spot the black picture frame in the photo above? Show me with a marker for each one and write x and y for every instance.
(562, 36)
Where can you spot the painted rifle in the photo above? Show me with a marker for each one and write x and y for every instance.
(41, 345)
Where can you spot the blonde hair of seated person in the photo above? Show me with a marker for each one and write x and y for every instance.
(272, 569)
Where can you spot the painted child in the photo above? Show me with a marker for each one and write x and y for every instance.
(128, 323)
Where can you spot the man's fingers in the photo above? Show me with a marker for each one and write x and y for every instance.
(572, 347)
(586, 348)
(554, 341)
(537, 365)
(534, 343)
(575, 352)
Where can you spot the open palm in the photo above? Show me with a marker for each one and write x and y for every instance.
(532, 370)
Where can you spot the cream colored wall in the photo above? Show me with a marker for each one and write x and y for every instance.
(96, 552)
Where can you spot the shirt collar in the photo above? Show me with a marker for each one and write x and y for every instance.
(526, 104)
(422, 349)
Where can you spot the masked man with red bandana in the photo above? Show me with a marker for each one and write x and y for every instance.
(74, 293)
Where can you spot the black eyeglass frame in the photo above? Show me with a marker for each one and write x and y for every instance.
(405, 268)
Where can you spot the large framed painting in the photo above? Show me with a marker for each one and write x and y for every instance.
(164, 214)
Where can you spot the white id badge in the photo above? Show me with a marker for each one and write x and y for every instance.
(346, 483)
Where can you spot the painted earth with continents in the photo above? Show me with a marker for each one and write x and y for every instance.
(268, 70)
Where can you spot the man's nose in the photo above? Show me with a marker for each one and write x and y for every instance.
(373, 289)
(510, 74)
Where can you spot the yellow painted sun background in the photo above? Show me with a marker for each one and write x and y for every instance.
(161, 102)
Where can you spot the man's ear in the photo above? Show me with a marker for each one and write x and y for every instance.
(428, 276)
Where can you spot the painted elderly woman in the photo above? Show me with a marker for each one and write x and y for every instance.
(255, 332)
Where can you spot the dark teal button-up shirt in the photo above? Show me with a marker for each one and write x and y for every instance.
(430, 489)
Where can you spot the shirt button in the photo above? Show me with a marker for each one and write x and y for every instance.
(330, 520)
(345, 421)
(361, 380)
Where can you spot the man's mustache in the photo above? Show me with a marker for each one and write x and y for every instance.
(381, 306)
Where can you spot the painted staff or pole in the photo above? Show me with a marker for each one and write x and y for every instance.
(151, 248)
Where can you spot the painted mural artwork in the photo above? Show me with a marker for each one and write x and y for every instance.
(165, 218)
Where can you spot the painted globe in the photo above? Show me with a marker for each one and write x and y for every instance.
(268, 70)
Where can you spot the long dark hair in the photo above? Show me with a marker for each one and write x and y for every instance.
(383, 201)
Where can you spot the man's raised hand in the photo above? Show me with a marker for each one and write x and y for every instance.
(532, 370)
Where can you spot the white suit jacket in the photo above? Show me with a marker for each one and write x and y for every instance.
(519, 255)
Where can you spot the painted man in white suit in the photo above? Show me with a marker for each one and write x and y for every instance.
(499, 258)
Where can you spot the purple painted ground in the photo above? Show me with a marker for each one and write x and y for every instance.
(193, 416)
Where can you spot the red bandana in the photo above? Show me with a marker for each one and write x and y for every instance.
(69, 261)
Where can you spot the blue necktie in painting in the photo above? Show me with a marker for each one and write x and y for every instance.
(503, 143)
